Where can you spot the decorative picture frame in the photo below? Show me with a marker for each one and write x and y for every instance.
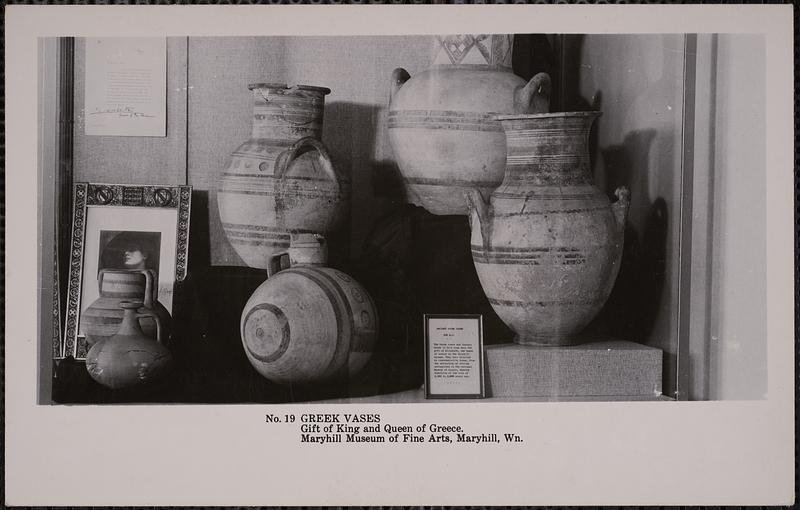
(152, 219)
(454, 364)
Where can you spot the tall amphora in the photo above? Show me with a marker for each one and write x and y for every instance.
(281, 180)
(547, 245)
(440, 121)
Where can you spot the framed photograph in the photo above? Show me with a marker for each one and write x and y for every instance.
(118, 226)
(454, 356)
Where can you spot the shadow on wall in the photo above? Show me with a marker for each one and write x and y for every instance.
(638, 295)
(636, 299)
(570, 83)
(355, 135)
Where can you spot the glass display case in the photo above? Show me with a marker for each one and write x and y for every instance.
(672, 130)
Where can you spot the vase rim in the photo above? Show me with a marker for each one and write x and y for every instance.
(275, 85)
(553, 115)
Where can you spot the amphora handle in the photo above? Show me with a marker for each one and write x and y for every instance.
(620, 207)
(483, 212)
(535, 96)
(286, 157)
(399, 77)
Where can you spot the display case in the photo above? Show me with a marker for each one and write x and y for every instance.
(677, 132)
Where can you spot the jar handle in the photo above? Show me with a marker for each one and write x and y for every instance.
(286, 157)
(274, 263)
(535, 96)
(150, 313)
(399, 77)
(149, 288)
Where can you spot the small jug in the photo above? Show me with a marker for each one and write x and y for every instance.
(129, 358)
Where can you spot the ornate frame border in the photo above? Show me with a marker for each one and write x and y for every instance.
(118, 195)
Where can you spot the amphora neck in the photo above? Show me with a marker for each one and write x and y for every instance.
(308, 249)
(549, 149)
(284, 113)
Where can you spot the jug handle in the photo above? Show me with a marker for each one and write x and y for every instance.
(155, 317)
(293, 151)
(149, 287)
(274, 263)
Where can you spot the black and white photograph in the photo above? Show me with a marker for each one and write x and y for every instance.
(546, 182)
(420, 240)
(129, 250)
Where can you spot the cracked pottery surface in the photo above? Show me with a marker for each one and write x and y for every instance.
(547, 244)
(280, 180)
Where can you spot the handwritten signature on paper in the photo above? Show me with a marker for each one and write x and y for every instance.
(122, 111)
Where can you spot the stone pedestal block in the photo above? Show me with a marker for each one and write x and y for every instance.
(601, 368)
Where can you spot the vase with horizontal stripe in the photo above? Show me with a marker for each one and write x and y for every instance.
(440, 121)
(101, 319)
(308, 323)
(281, 180)
(548, 243)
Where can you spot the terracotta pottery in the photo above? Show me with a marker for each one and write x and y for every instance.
(102, 318)
(440, 121)
(129, 358)
(281, 180)
(308, 323)
(548, 244)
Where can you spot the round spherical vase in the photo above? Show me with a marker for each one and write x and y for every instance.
(128, 358)
(548, 244)
(308, 323)
(281, 180)
(440, 123)
(101, 320)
